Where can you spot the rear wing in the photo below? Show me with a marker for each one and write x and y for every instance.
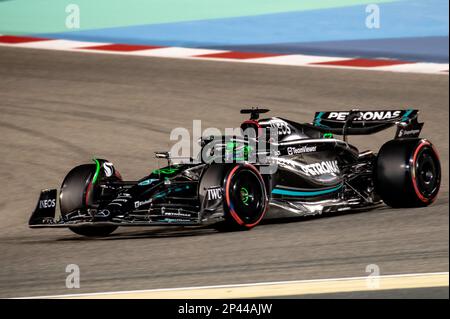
(358, 122)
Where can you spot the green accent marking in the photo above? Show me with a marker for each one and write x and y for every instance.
(240, 154)
(231, 145)
(165, 171)
(244, 196)
(328, 135)
(97, 170)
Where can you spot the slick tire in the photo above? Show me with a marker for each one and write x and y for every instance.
(408, 173)
(76, 193)
(245, 198)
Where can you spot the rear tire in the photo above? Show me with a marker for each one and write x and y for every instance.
(408, 173)
(245, 199)
(77, 193)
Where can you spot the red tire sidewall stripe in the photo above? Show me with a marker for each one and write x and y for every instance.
(227, 196)
(423, 143)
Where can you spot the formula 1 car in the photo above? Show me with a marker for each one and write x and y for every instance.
(311, 173)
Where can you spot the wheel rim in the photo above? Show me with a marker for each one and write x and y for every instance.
(426, 173)
(246, 197)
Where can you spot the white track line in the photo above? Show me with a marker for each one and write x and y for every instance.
(175, 52)
(62, 45)
(296, 59)
(278, 288)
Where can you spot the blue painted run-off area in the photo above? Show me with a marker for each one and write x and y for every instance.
(415, 30)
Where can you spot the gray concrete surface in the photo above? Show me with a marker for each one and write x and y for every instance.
(58, 109)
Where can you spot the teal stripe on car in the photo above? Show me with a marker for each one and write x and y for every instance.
(278, 191)
(406, 115)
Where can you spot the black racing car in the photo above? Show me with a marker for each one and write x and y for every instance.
(303, 170)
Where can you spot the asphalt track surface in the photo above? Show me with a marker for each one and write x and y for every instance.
(58, 109)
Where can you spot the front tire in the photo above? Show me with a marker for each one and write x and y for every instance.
(408, 173)
(245, 198)
(77, 193)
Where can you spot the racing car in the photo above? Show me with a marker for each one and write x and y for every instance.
(312, 172)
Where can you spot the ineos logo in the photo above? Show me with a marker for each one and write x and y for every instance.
(47, 203)
(281, 127)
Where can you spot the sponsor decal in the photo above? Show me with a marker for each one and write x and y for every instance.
(412, 130)
(366, 115)
(214, 193)
(314, 169)
(124, 195)
(172, 213)
(108, 168)
(47, 203)
(301, 150)
(321, 168)
(142, 203)
(409, 133)
(281, 127)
